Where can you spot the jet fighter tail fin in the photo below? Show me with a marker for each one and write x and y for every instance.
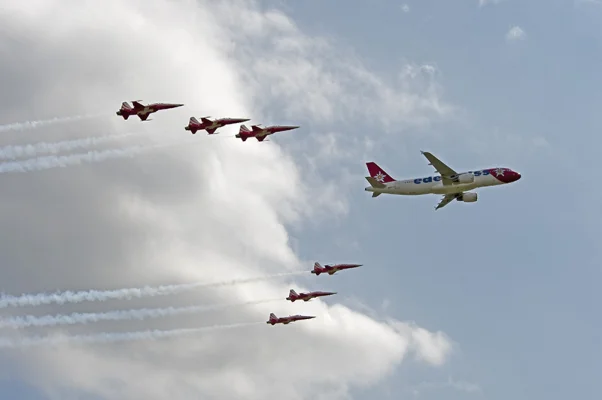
(126, 106)
(243, 133)
(292, 293)
(193, 120)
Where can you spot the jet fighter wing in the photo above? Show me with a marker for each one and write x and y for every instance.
(446, 172)
(446, 199)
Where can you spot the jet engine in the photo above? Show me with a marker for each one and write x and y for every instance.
(467, 197)
(465, 178)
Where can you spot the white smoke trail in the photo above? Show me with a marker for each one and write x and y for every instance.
(110, 337)
(48, 162)
(20, 126)
(38, 299)
(29, 321)
(12, 152)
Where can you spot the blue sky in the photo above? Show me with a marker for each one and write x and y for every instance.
(512, 280)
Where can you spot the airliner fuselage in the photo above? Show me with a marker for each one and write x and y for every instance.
(433, 184)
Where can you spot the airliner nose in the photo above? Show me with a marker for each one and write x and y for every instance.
(516, 176)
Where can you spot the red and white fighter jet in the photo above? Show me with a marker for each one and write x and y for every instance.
(292, 295)
(331, 269)
(260, 133)
(141, 110)
(286, 320)
(211, 126)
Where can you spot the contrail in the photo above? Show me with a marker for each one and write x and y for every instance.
(119, 315)
(110, 337)
(65, 297)
(20, 126)
(12, 152)
(49, 162)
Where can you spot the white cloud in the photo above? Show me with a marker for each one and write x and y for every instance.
(325, 83)
(405, 8)
(217, 210)
(515, 33)
(432, 347)
(315, 78)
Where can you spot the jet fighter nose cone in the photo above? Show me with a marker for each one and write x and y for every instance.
(286, 128)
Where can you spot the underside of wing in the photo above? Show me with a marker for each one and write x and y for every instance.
(446, 172)
(446, 199)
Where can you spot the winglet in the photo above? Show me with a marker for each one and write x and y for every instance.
(424, 154)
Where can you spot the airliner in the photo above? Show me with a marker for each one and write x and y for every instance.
(449, 183)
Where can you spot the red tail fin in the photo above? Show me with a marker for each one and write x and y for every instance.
(378, 173)
(244, 133)
(292, 293)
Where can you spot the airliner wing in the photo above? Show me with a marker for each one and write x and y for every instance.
(446, 199)
(445, 171)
